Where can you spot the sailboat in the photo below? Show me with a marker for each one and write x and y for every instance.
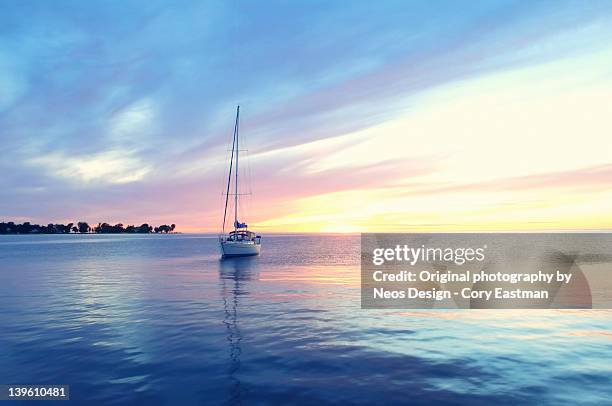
(240, 241)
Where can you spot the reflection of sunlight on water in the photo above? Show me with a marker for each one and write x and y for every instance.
(330, 275)
(293, 295)
(592, 333)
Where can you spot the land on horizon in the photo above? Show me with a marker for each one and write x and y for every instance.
(82, 228)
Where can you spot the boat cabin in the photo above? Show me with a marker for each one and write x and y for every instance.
(242, 235)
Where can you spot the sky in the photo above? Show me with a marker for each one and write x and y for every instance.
(357, 116)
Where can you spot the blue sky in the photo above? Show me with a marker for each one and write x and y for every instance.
(122, 111)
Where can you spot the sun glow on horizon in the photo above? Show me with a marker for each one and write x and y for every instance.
(518, 150)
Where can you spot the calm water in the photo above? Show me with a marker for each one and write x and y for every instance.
(160, 320)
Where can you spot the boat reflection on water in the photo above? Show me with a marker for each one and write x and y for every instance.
(234, 273)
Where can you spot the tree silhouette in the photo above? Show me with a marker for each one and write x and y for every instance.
(81, 227)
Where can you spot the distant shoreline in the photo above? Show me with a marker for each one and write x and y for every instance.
(12, 228)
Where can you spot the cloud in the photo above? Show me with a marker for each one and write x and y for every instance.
(134, 120)
(113, 167)
(13, 82)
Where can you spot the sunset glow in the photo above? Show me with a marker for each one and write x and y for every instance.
(504, 125)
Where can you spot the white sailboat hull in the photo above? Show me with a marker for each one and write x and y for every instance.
(239, 248)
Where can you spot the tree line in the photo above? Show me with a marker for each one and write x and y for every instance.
(82, 227)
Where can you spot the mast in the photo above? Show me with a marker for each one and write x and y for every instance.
(229, 176)
(236, 172)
